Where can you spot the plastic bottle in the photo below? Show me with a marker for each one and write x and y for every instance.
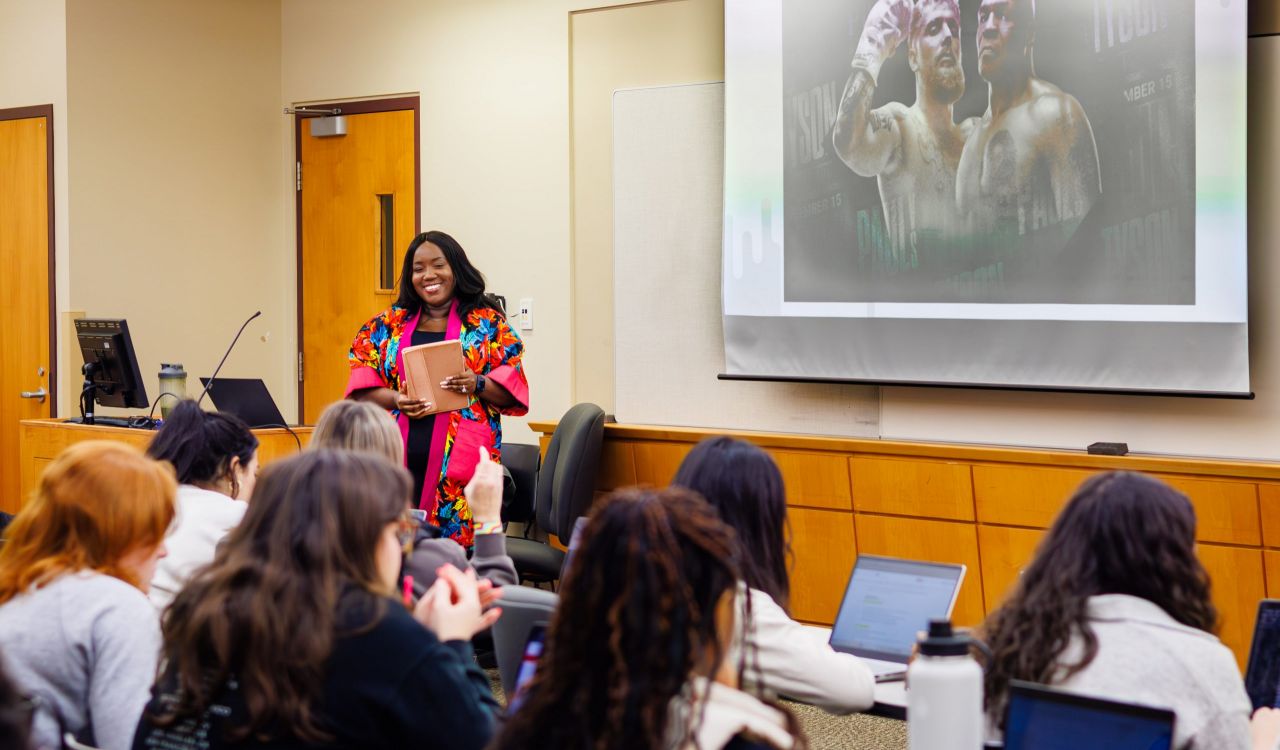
(944, 696)
(173, 380)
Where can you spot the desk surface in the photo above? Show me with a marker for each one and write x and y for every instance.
(41, 440)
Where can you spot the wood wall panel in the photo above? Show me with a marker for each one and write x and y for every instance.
(929, 489)
(41, 440)
(1271, 567)
(823, 550)
(1238, 584)
(617, 465)
(1016, 493)
(1269, 510)
(815, 480)
(935, 541)
(1225, 511)
(1005, 552)
(656, 463)
(1022, 495)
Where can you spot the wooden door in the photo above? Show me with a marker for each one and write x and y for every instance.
(358, 211)
(25, 253)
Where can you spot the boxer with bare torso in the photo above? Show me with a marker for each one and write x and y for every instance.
(1031, 161)
(912, 151)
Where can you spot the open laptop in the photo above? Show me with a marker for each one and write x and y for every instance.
(1262, 680)
(887, 602)
(246, 398)
(1041, 718)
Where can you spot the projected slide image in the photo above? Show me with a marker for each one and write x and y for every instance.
(989, 151)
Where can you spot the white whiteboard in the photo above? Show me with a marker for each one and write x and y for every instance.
(668, 167)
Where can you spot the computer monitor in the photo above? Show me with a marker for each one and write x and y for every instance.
(111, 375)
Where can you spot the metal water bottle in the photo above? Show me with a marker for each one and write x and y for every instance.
(173, 381)
(944, 696)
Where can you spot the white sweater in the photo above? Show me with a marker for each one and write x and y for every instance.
(1145, 656)
(797, 663)
(203, 518)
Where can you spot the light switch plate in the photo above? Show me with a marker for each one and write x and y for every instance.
(526, 313)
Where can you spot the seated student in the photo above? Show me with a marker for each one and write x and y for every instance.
(635, 653)
(1115, 604)
(365, 427)
(743, 483)
(294, 636)
(78, 633)
(216, 458)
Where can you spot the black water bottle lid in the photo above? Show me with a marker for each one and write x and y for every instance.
(943, 641)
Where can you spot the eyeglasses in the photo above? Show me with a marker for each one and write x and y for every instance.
(407, 532)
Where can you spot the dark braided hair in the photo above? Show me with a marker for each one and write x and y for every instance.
(200, 444)
(1121, 533)
(636, 620)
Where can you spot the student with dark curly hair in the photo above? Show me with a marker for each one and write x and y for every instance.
(634, 657)
(1116, 604)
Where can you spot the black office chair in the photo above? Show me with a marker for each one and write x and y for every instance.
(521, 462)
(566, 484)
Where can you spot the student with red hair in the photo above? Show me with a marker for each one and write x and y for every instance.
(80, 637)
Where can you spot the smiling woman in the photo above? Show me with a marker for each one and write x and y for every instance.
(442, 297)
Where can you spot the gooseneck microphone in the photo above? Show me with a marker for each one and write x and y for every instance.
(218, 369)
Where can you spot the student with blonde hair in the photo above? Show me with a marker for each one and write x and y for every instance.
(363, 427)
(359, 426)
(79, 635)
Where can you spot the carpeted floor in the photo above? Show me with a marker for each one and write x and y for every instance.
(853, 732)
(825, 732)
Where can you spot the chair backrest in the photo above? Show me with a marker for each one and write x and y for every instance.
(567, 479)
(522, 608)
(522, 462)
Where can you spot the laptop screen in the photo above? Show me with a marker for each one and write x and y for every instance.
(888, 601)
(1046, 719)
(528, 666)
(1263, 677)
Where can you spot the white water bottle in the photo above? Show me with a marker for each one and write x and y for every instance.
(944, 696)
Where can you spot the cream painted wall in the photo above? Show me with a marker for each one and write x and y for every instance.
(623, 47)
(178, 218)
(183, 170)
(33, 70)
(493, 77)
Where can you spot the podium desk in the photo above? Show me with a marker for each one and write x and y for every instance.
(41, 440)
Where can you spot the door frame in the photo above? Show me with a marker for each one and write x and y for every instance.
(25, 113)
(361, 107)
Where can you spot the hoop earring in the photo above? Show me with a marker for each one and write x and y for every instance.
(235, 488)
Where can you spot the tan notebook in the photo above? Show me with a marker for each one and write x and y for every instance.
(426, 365)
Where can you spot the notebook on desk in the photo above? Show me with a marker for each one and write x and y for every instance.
(887, 602)
(247, 398)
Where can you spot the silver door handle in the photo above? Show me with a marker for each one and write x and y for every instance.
(39, 393)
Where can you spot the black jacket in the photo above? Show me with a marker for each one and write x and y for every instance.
(390, 686)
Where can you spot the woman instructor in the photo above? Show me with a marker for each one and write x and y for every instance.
(442, 298)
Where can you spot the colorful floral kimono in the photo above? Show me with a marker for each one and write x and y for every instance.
(492, 348)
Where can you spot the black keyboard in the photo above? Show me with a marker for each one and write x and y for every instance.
(136, 423)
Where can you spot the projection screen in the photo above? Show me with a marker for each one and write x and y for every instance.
(1003, 193)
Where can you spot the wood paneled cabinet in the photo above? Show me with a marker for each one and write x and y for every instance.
(41, 440)
(985, 507)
